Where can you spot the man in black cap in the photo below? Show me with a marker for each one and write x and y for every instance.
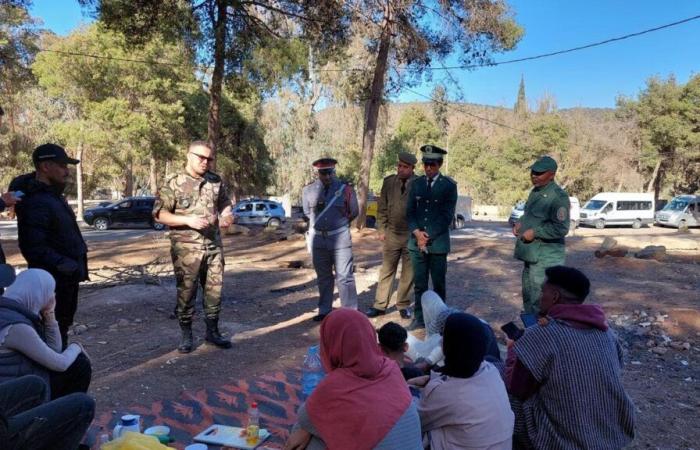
(49, 236)
(430, 211)
(541, 230)
(331, 204)
(392, 229)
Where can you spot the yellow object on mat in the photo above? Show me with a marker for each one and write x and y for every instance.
(135, 441)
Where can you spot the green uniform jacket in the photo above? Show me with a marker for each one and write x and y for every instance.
(433, 213)
(546, 212)
(391, 206)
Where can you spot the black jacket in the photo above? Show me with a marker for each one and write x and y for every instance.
(49, 236)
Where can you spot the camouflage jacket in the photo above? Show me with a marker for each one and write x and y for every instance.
(205, 197)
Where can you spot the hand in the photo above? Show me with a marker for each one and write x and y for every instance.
(542, 321)
(421, 238)
(10, 199)
(298, 440)
(509, 342)
(528, 235)
(197, 223)
(225, 221)
(381, 236)
(419, 381)
(516, 228)
(49, 308)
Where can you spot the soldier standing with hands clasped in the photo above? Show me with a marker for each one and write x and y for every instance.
(541, 230)
(190, 203)
(331, 204)
(392, 229)
(430, 212)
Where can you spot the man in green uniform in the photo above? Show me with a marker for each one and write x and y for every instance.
(541, 230)
(429, 212)
(392, 229)
(190, 203)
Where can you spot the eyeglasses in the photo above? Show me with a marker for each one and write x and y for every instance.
(202, 157)
(430, 163)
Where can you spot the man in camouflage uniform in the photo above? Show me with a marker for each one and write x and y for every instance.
(190, 203)
(392, 229)
(331, 204)
(541, 230)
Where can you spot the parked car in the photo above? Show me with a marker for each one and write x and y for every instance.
(127, 212)
(574, 212)
(619, 208)
(683, 211)
(259, 212)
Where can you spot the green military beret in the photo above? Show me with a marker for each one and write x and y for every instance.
(544, 164)
(432, 153)
(408, 158)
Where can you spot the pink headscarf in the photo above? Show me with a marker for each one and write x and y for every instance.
(364, 394)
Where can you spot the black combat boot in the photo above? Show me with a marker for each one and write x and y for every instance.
(213, 335)
(186, 342)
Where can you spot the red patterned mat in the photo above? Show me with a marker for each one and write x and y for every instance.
(278, 396)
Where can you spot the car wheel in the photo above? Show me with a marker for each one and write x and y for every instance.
(101, 223)
(274, 222)
(459, 222)
(600, 224)
(158, 226)
(683, 225)
(637, 224)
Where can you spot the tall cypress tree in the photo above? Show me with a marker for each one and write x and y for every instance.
(521, 103)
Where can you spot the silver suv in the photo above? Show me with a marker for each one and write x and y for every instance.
(259, 212)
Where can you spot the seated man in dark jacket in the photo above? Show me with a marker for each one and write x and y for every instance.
(28, 421)
(49, 236)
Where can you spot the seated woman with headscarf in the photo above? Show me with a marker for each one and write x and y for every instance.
(428, 352)
(466, 406)
(30, 341)
(363, 403)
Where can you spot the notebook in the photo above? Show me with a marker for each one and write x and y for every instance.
(229, 436)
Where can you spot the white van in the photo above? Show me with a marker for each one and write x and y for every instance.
(682, 211)
(618, 208)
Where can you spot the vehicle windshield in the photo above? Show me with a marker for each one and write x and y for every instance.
(595, 204)
(676, 205)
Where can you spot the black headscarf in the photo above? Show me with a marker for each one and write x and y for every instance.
(464, 344)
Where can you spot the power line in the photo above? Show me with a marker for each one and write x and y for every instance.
(433, 68)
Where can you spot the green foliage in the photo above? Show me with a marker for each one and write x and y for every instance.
(520, 107)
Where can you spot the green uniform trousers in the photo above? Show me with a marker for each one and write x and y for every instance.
(197, 264)
(533, 278)
(428, 266)
(395, 250)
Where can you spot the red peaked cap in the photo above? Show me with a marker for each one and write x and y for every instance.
(324, 163)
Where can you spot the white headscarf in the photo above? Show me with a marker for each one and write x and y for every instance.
(435, 312)
(33, 289)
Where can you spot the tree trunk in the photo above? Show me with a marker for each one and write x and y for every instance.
(79, 180)
(654, 176)
(128, 179)
(371, 115)
(153, 175)
(214, 122)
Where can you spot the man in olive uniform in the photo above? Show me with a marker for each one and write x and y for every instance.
(430, 211)
(392, 229)
(190, 204)
(541, 230)
(331, 204)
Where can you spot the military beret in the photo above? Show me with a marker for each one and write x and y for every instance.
(408, 158)
(544, 164)
(324, 163)
(432, 153)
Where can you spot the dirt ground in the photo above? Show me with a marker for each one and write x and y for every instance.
(124, 319)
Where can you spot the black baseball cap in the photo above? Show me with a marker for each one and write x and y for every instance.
(52, 152)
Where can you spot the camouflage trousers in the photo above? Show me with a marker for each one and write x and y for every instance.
(197, 264)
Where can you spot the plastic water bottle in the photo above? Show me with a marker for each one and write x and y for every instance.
(252, 431)
(312, 371)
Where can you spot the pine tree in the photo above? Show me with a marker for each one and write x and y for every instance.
(521, 103)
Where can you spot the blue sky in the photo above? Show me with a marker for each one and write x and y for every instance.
(591, 78)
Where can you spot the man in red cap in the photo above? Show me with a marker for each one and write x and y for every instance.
(331, 204)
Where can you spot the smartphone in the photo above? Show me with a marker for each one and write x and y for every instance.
(528, 320)
(512, 331)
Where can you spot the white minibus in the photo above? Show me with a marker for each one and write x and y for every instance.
(618, 208)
